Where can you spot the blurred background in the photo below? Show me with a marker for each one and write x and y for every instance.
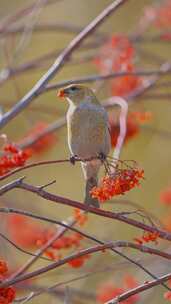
(29, 44)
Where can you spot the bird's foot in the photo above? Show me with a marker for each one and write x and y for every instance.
(73, 159)
(102, 157)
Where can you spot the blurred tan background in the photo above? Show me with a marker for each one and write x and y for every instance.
(150, 149)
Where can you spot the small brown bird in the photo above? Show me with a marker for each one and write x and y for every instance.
(88, 133)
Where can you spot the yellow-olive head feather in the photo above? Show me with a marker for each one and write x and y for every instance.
(77, 93)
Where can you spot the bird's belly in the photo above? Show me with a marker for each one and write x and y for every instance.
(88, 133)
(88, 140)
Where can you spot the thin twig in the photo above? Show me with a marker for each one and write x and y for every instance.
(21, 249)
(81, 253)
(147, 84)
(139, 289)
(72, 203)
(21, 13)
(40, 251)
(93, 78)
(86, 235)
(60, 61)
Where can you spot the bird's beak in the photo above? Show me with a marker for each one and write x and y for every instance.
(61, 93)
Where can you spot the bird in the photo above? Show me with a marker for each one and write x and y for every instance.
(88, 134)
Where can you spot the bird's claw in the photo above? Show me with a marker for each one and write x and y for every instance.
(73, 159)
(102, 156)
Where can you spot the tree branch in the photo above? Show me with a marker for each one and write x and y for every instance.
(19, 248)
(93, 78)
(40, 251)
(59, 62)
(86, 235)
(81, 253)
(72, 203)
(141, 288)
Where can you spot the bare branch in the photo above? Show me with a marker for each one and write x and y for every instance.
(19, 248)
(68, 202)
(21, 13)
(66, 227)
(81, 253)
(139, 289)
(11, 185)
(59, 62)
(40, 251)
(147, 84)
(32, 165)
(93, 78)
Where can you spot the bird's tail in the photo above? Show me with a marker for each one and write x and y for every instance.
(89, 200)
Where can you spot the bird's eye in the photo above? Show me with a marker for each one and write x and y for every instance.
(73, 89)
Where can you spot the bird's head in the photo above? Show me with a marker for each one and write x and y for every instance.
(77, 93)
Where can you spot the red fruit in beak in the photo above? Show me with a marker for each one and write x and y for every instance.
(61, 93)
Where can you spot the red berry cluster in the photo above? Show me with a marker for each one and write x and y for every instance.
(132, 129)
(34, 235)
(12, 158)
(7, 294)
(109, 291)
(121, 181)
(78, 262)
(147, 237)
(26, 237)
(163, 15)
(167, 294)
(117, 55)
(64, 242)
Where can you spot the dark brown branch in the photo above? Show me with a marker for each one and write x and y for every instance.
(32, 165)
(70, 227)
(93, 78)
(93, 272)
(81, 253)
(68, 202)
(40, 163)
(11, 185)
(139, 289)
(40, 251)
(19, 248)
(118, 216)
